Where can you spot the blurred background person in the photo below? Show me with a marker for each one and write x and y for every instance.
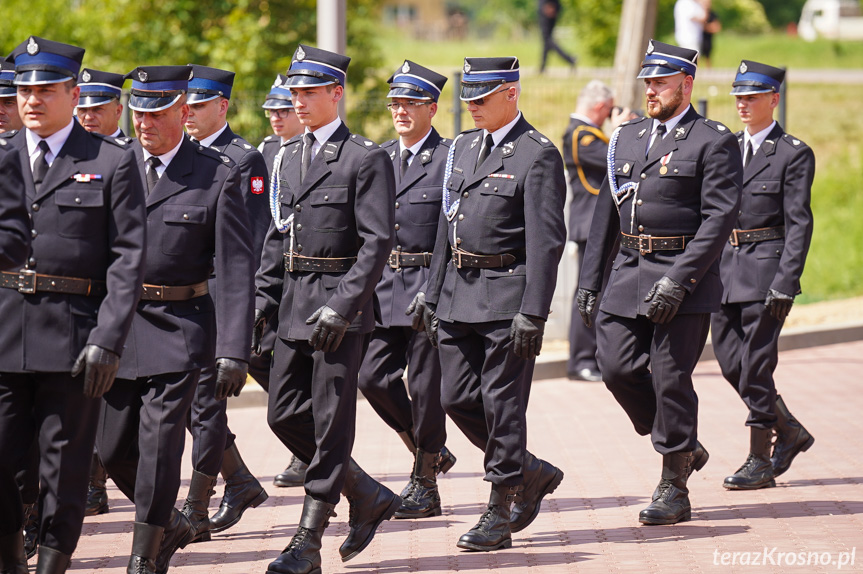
(549, 10)
(689, 18)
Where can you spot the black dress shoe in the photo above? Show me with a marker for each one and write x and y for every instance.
(591, 375)
(293, 475)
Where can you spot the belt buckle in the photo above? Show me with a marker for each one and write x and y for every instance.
(641, 239)
(291, 261)
(27, 281)
(734, 240)
(457, 259)
(395, 254)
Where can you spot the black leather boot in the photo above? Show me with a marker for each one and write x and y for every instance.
(97, 491)
(540, 479)
(13, 560)
(422, 499)
(672, 504)
(492, 532)
(242, 490)
(699, 459)
(447, 460)
(303, 554)
(31, 529)
(146, 539)
(756, 472)
(791, 438)
(52, 561)
(293, 475)
(178, 533)
(370, 504)
(196, 508)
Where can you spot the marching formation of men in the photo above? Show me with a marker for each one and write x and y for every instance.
(142, 279)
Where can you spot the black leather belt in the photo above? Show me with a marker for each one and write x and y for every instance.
(28, 282)
(294, 262)
(401, 259)
(174, 292)
(739, 236)
(650, 243)
(466, 259)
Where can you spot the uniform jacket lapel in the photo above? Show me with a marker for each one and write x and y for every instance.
(78, 147)
(761, 159)
(495, 160)
(173, 179)
(671, 141)
(20, 142)
(417, 169)
(319, 168)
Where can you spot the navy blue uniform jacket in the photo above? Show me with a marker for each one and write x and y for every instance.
(344, 208)
(513, 203)
(86, 227)
(195, 218)
(14, 221)
(698, 194)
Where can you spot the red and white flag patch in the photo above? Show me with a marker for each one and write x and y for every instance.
(257, 185)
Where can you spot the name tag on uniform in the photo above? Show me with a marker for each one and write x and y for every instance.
(87, 177)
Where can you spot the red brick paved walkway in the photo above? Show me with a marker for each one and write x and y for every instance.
(590, 523)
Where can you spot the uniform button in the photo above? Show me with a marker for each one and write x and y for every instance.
(77, 200)
(397, 205)
(643, 176)
(676, 170)
(33, 233)
(186, 216)
(397, 227)
(736, 248)
(298, 207)
(495, 189)
(299, 227)
(461, 216)
(281, 196)
(425, 196)
(398, 247)
(31, 263)
(326, 198)
(692, 280)
(739, 213)
(458, 240)
(763, 187)
(35, 207)
(299, 248)
(486, 185)
(465, 194)
(510, 271)
(641, 228)
(639, 202)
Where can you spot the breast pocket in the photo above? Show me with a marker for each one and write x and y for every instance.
(765, 197)
(81, 210)
(183, 228)
(500, 198)
(331, 209)
(424, 205)
(677, 181)
(623, 169)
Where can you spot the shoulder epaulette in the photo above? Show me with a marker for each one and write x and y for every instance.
(544, 141)
(362, 141)
(121, 141)
(633, 122)
(718, 126)
(793, 141)
(8, 134)
(389, 143)
(242, 144)
(213, 154)
(270, 138)
(446, 142)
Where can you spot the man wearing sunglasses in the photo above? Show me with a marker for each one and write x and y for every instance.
(418, 159)
(494, 270)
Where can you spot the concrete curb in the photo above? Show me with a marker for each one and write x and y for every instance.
(553, 366)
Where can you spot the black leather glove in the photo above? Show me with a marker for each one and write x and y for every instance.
(417, 309)
(665, 298)
(430, 323)
(526, 334)
(778, 304)
(230, 377)
(329, 329)
(99, 366)
(585, 300)
(258, 331)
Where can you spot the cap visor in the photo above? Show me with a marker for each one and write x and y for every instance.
(145, 104)
(8, 91)
(40, 77)
(471, 92)
(406, 93)
(195, 98)
(303, 81)
(657, 72)
(277, 104)
(93, 101)
(749, 90)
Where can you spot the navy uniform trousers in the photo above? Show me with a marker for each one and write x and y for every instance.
(208, 417)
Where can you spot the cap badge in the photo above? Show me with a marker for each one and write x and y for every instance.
(85, 76)
(650, 47)
(32, 47)
(743, 67)
(466, 68)
(301, 53)
(406, 68)
(142, 75)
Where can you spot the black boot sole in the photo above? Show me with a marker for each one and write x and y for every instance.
(388, 513)
(315, 571)
(685, 517)
(402, 514)
(549, 488)
(287, 484)
(731, 486)
(256, 502)
(96, 511)
(507, 543)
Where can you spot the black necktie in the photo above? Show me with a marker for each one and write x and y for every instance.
(488, 143)
(308, 142)
(748, 154)
(152, 175)
(406, 154)
(660, 131)
(40, 166)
